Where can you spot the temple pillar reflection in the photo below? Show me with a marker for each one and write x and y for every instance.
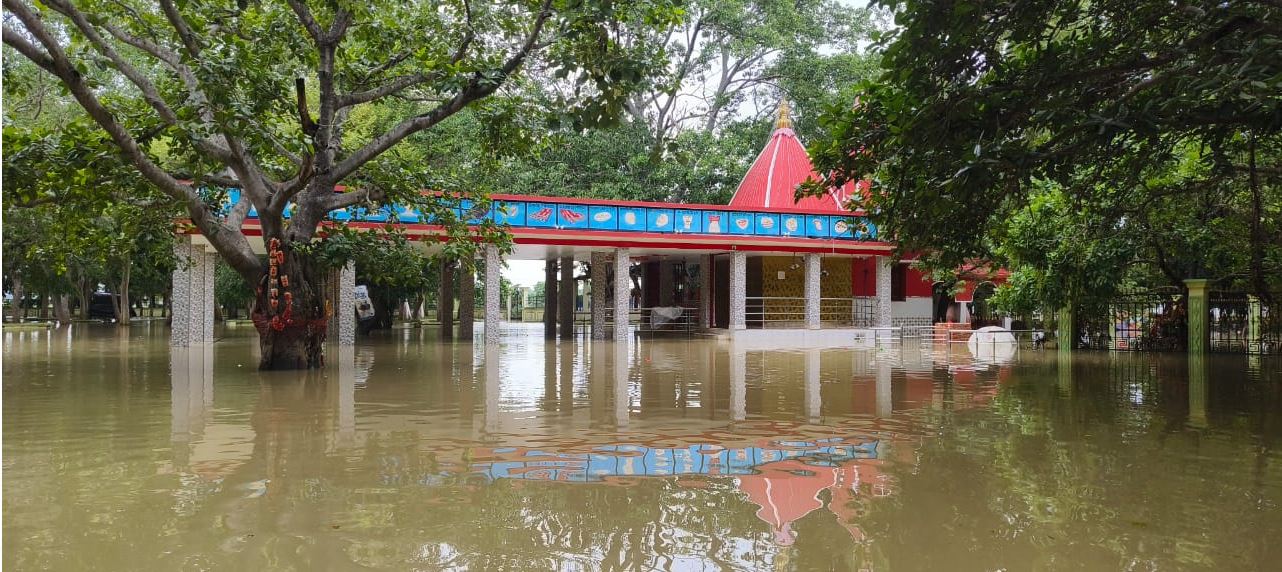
(738, 383)
(490, 373)
(346, 395)
(622, 374)
(814, 401)
(884, 399)
(191, 397)
(1198, 390)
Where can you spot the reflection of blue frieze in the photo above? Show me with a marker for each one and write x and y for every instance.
(640, 461)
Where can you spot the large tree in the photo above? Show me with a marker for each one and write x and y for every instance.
(1156, 122)
(223, 87)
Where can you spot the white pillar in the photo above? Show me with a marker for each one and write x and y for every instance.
(814, 269)
(622, 293)
(884, 266)
(493, 293)
(738, 290)
(193, 295)
(706, 268)
(600, 272)
(209, 262)
(345, 308)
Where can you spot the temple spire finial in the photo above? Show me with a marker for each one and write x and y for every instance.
(784, 120)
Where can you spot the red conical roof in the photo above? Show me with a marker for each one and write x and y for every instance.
(772, 180)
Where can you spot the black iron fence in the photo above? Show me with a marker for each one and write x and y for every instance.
(1151, 320)
(1158, 320)
(1242, 323)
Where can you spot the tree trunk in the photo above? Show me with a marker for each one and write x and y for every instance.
(43, 313)
(120, 298)
(84, 294)
(291, 313)
(17, 312)
(467, 301)
(62, 309)
(445, 301)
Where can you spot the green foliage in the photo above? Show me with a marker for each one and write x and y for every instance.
(77, 215)
(1156, 126)
(230, 289)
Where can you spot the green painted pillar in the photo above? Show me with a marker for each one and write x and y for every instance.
(1067, 331)
(1199, 315)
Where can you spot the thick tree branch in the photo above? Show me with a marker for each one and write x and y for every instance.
(474, 90)
(185, 33)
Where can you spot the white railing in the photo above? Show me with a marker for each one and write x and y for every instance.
(788, 312)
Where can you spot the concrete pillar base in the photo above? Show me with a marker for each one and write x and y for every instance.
(738, 290)
(622, 293)
(493, 294)
(885, 315)
(193, 295)
(600, 269)
(814, 270)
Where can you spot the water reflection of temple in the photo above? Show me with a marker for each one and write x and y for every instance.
(787, 434)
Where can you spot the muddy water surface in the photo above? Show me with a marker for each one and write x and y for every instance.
(408, 453)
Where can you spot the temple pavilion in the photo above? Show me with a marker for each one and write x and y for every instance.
(766, 267)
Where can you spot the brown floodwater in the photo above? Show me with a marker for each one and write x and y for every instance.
(407, 453)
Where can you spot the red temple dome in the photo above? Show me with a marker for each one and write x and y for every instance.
(772, 180)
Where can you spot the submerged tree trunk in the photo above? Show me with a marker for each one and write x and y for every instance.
(445, 301)
(16, 311)
(62, 309)
(291, 313)
(466, 301)
(120, 298)
(84, 294)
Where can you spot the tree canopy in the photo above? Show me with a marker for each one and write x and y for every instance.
(1050, 134)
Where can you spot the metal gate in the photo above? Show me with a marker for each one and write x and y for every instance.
(1241, 323)
(1154, 320)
